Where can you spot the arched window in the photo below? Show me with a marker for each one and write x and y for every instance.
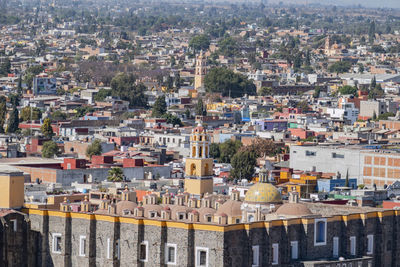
(200, 152)
(320, 232)
(206, 169)
(193, 169)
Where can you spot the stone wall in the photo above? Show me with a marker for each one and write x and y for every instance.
(115, 241)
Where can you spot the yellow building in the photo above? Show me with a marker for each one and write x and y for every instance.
(201, 71)
(302, 183)
(199, 166)
(12, 184)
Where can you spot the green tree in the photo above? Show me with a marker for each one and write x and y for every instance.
(348, 90)
(124, 86)
(243, 164)
(172, 119)
(228, 46)
(177, 81)
(49, 149)
(214, 151)
(31, 72)
(229, 83)
(13, 121)
(371, 32)
(265, 91)
(46, 128)
(3, 112)
(82, 111)
(200, 109)
(5, 67)
(188, 114)
(58, 115)
(115, 175)
(373, 83)
(30, 113)
(317, 91)
(340, 67)
(374, 115)
(14, 99)
(102, 94)
(385, 116)
(200, 42)
(159, 107)
(94, 149)
(228, 149)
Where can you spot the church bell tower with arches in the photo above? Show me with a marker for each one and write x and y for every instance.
(200, 71)
(199, 166)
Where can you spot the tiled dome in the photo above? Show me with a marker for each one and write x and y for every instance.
(263, 193)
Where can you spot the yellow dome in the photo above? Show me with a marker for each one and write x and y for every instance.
(263, 193)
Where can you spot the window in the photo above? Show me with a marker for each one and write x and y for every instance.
(170, 254)
(335, 247)
(256, 256)
(320, 232)
(275, 254)
(294, 248)
(310, 153)
(337, 156)
(353, 245)
(370, 244)
(56, 243)
(143, 251)
(82, 246)
(201, 257)
(108, 248)
(181, 216)
(152, 214)
(209, 218)
(14, 224)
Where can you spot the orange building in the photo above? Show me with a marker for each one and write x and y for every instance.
(300, 182)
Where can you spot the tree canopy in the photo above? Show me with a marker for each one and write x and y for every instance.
(13, 121)
(229, 83)
(94, 149)
(228, 149)
(159, 107)
(50, 149)
(200, 108)
(348, 90)
(228, 46)
(30, 113)
(3, 112)
(243, 164)
(46, 128)
(115, 175)
(200, 42)
(102, 94)
(340, 67)
(124, 86)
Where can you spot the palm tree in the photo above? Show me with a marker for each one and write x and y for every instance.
(115, 175)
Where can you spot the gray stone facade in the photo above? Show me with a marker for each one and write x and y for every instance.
(116, 241)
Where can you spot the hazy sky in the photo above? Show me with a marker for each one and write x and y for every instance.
(366, 3)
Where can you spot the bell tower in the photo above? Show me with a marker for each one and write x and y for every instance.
(199, 166)
(200, 72)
